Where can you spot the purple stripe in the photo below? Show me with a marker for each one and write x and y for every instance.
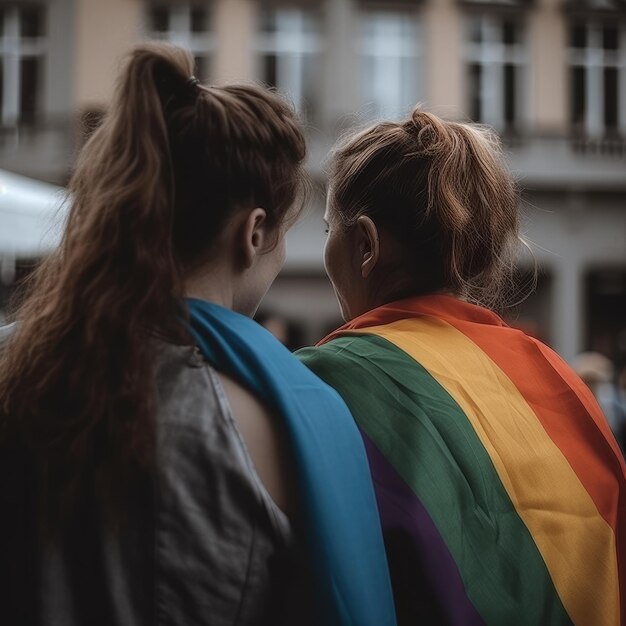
(411, 535)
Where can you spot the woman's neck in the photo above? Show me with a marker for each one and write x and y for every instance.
(210, 285)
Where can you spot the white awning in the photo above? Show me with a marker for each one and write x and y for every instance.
(32, 215)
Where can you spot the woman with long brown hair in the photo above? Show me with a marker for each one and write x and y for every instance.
(163, 460)
(501, 490)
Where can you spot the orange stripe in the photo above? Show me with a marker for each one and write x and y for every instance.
(552, 389)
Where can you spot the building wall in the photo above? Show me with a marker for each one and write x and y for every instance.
(575, 189)
(570, 234)
(443, 24)
(549, 84)
(104, 32)
(235, 27)
(59, 85)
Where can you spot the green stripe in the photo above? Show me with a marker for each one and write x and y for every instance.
(426, 436)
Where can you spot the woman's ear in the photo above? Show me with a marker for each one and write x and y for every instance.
(253, 235)
(368, 244)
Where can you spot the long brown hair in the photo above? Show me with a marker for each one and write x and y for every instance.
(443, 190)
(150, 192)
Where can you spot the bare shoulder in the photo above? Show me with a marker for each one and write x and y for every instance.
(264, 436)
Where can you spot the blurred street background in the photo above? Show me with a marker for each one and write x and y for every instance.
(549, 75)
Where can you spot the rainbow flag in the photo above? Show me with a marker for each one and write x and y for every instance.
(501, 490)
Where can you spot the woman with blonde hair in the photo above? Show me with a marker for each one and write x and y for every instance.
(163, 459)
(501, 490)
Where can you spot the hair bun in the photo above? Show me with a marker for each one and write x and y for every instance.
(443, 188)
(429, 131)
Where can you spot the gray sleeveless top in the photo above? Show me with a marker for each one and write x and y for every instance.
(204, 545)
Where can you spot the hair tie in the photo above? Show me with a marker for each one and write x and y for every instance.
(190, 88)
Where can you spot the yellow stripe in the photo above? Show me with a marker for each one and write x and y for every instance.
(576, 543)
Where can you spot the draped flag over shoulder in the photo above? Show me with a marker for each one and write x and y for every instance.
(341, 527)
(501, 490)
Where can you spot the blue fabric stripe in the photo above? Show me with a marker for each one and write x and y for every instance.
(340, 519)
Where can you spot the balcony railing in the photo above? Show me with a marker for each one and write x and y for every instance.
(605, 146)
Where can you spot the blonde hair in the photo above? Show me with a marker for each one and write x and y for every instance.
(443, 191)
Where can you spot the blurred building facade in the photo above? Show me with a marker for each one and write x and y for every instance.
(549, 75)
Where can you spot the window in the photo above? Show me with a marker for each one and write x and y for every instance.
(605, 296)
(496, 60)
(289, 48)
(22, 54)
(187, 25)
(390, 62)
(597, 78)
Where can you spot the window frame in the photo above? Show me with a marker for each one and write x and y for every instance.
(201, 44)
(494, 56)
(594, 59)
(14, 48)
(291, 46)
(407, 46)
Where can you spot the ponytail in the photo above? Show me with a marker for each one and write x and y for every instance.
(475, 202)
(77, 380)
(82, 331)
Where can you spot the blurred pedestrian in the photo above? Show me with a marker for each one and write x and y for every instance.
(148, 442)
(501, 490)
(597, 372)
